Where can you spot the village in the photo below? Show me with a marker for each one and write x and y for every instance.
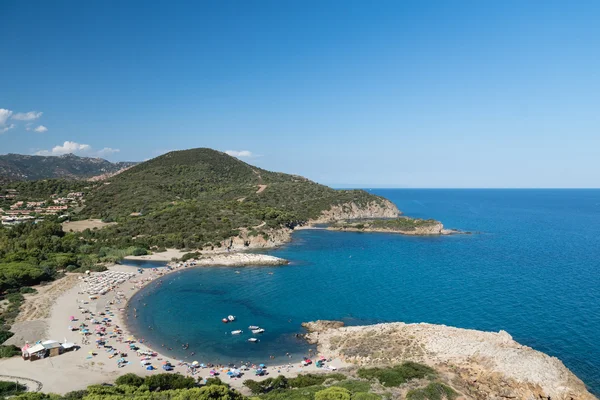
(25, 210)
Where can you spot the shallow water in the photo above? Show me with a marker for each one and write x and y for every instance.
(532, 271)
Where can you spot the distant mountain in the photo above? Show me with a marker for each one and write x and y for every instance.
(19, 167)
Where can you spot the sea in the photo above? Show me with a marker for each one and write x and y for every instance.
(531, 267)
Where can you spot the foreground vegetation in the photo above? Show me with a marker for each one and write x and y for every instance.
(374, 385)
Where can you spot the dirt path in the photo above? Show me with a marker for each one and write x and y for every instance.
(261, 188)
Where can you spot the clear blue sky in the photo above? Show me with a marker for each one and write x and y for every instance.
(369, 93)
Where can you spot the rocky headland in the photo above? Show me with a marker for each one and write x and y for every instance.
(479, 365)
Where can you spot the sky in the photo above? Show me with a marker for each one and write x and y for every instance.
(348, 93)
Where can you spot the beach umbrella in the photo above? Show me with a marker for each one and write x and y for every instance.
(262, 365)
(72, 318)
(203, 365)
(229, 373)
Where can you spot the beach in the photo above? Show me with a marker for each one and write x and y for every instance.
(77, 369)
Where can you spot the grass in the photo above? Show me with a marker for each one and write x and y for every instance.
(397, 375)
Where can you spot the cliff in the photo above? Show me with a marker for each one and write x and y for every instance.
(381, 208)
(481, 365)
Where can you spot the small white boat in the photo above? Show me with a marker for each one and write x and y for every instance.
(236, 332)
(252, 327)
(231, 318)
(259, 330)
(253, 339)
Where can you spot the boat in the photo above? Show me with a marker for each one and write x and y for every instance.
(259, 330)
(253, 339)
(225, 320)
(231, 318)
(252, 327)
(236, 332)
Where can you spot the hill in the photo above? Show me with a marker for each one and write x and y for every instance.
(201, 197)
(18, 167)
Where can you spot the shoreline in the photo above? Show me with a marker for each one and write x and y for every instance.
(78, 369)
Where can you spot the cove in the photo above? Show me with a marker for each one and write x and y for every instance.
(532, 271)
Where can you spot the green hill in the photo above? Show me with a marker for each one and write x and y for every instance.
(201, 196)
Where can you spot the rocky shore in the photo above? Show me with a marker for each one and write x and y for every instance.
(239, 260)
(480, 365)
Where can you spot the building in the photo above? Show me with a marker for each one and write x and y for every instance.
(56, 208)
(74, 194)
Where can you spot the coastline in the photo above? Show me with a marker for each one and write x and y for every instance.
(77, 369)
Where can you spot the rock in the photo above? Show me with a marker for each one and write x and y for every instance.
(321, 325)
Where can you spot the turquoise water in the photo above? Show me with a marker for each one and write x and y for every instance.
(533, 270)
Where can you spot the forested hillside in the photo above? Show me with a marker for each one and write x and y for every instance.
(197, 197)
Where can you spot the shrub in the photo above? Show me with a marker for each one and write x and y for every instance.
(5, 335)
(312, 379)
(354, 386)
(27, 289)
(162, 382)
(139, 252)
(9, 351)
(433, 391)
(333, 393)
(130, 379)
(189, 256)
(397, 375)
(11, 388)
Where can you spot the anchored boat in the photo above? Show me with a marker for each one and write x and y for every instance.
(236, 332)
(259, 330)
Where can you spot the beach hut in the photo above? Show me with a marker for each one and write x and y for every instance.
(35, 352)
(54, 348)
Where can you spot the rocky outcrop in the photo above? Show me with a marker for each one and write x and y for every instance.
(482, 365)
(321, 325)
(265, 239)
(434, 229)
(238, 260)
(381, 208)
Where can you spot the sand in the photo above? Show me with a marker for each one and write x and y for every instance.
(74, 370)
(80, 226)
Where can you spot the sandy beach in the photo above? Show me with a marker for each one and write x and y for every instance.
(77, 369)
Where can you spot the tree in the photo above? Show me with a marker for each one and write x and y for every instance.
(130, 379)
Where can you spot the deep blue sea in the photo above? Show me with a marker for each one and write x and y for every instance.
(533, 269)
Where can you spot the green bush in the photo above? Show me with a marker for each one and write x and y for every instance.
(397, 375)
(433, 391)
(7, 351)
(333, 393)
(169, 381)
(305, 380)
(130, 379)
(5, 335)
(27, 289)
(354, 386)
(139, 252)
(11, 388)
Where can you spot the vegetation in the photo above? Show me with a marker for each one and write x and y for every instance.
(303, 387)
(201, 197)
(397, 375)
(433, 391)
(10, 389)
